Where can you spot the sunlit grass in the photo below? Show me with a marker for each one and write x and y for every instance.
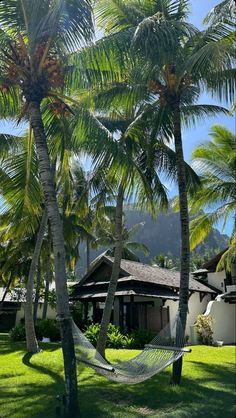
(29, 386)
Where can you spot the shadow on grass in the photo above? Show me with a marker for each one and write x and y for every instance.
(7, 347)
(43, 370)
(208, 392)
(201, 397)
(39, 400)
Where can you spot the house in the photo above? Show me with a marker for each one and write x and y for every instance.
(12, 310)
(223, 308)
(146, 296)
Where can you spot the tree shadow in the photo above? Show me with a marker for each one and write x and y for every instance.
(26, 361)
(156, 397)
(57, 386)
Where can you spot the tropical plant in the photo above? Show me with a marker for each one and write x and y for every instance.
(136, 163)
(215, 161)
(34, 42)
(163, 261)
(105, 233)
(204, 326)
(177, 60)
(128, 175)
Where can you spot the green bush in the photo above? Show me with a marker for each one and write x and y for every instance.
(92, 333)
(48, 328)
(118, 339)
(205, 329)
(17, 333)
(115, 339)
(140, 337)
(128, 341)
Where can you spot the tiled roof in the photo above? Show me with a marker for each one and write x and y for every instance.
(149, 274)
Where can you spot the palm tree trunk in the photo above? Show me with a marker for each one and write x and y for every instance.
(88, 253)
(63, 312)
(102, 339)
(185, 247)
(5, 294)
(47, 280)
(46, 294)
(37, 293)
(31, 340)
(6, 290)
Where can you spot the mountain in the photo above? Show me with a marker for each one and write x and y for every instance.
(161, 236)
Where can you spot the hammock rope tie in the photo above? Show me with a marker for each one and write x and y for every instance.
(161, 352)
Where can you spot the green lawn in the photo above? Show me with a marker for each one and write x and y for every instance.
(29, 386)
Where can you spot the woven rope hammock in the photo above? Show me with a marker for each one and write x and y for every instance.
(156, 356)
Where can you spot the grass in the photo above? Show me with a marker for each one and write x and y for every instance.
(29, 386)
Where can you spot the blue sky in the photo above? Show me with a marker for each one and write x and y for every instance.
(193, 136)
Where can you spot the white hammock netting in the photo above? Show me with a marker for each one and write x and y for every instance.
(160, 353)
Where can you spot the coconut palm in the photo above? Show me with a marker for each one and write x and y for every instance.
(223, 12)
(106, 238)
(216, 163)
(33, 41)
(136, 163)
(176, 60)
(22, 198)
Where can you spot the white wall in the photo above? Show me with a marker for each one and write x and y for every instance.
(217, 279)
(51, 313)
(224, 320)
(195, 307)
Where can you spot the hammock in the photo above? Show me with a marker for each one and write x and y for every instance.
(156, 356)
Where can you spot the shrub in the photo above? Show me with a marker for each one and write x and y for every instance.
(92, 333)
(128, 341)
(17, 333)
(48, 328)
(141, 337)
(43, 328)
(115, 338)
(204, 329)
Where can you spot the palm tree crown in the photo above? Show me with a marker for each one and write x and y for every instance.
(216, 162)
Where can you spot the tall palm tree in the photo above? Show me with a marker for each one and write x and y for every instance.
(215, 161)
(33, 41)
(136, 162)
(106, 238)
(22, 212)
(175, 60)
(129, 178)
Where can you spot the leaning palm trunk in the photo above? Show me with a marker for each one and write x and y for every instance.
(63, 312)
(37, 293)
(185, 248)
(4, 295)
(47, 280)
(6, 291)
(88, 253)
(102, 339)
(31, 340)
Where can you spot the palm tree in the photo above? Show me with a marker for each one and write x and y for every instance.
(21, 208)
(33, 41)
(223, 12)
(127, 166)
(176, 60)
(106, 238)
(136, 163)
(215, 160)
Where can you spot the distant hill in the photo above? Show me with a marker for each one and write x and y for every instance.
(161, 236)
